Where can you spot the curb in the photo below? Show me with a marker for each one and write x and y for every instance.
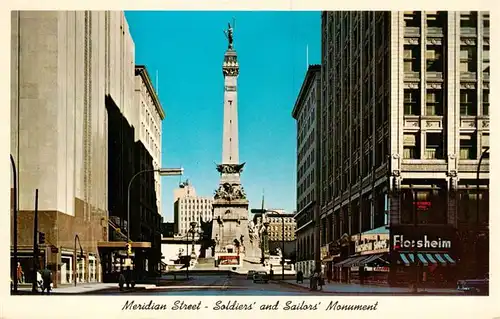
(369, 293)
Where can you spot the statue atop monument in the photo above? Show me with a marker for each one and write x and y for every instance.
(229, 35)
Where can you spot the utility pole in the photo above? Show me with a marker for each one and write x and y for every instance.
(35, 243)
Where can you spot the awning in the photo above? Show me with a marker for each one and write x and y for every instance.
(427, 259)
(349, 261)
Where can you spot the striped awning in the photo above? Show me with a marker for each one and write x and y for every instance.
(427, 259)
(366, 260)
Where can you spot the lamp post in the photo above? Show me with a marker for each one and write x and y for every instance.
(190, 231)
(162, 172)
(483, 155)
(81, 255)
(278, 214)
(415, 225)
(14, 173)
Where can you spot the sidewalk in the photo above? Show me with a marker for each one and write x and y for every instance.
(370, 289)
(83, 288)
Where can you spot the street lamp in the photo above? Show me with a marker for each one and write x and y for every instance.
(162, 172)
(188, 256)
(483, 155)
(278, 214)
(14, 173)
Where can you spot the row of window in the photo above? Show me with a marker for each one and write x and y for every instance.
(278, 235)
(435, 58)
(196, 201)
(438, 19)
(435, 102)
(435, 146)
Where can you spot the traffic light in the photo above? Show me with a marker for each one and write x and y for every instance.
(129, 249)
(41, 238)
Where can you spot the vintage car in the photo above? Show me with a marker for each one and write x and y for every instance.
(250, 274)
(474, 286)
(261, 276)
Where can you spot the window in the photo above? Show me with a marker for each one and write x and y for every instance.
(434, 58)
(434, 147)
(412, 18)
(411, 146)
(411, 58)
(436, 19)
(468, 105)
(485, 143)
(486, 21)
(468, 58)
(468, 20)
(486, 58)
(434, 102)
(486, 102)
(468, 144)
(411, 102)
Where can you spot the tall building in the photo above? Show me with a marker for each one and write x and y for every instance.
(63, 67)
(188, 207)
(307, 112)
(149, 125)
(74, 139)
(406, 104)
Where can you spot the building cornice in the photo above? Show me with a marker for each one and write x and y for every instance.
(143, 72)
(312, 71)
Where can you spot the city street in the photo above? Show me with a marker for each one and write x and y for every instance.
(220, 285)
(237, 285)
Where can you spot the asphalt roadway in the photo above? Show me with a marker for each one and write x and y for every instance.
(220, 285)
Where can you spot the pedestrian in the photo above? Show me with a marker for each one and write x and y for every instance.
(47, 280)
(321, 280)
(20, 273)
(121, 281)
(300, 277)
(128, 275)
(271, 272)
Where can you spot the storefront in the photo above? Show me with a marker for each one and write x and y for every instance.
(423, 253)
(369, 263)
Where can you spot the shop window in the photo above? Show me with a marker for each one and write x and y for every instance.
(468, 105)
(468, 58)
(468, 146)
(427, 206)
(411, 102)
(434, 58)
(434, 102)
(411, 58)
(434, 148)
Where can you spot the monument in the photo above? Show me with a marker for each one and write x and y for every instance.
(236, 239)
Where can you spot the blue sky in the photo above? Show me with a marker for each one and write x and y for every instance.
(187, 49)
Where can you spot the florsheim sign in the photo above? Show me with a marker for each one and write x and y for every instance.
(399, 242)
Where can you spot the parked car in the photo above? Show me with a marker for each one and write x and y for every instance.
(474, 286)
(250, 274)
(261, 276)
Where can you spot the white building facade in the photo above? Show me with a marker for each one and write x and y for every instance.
(188, 207)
